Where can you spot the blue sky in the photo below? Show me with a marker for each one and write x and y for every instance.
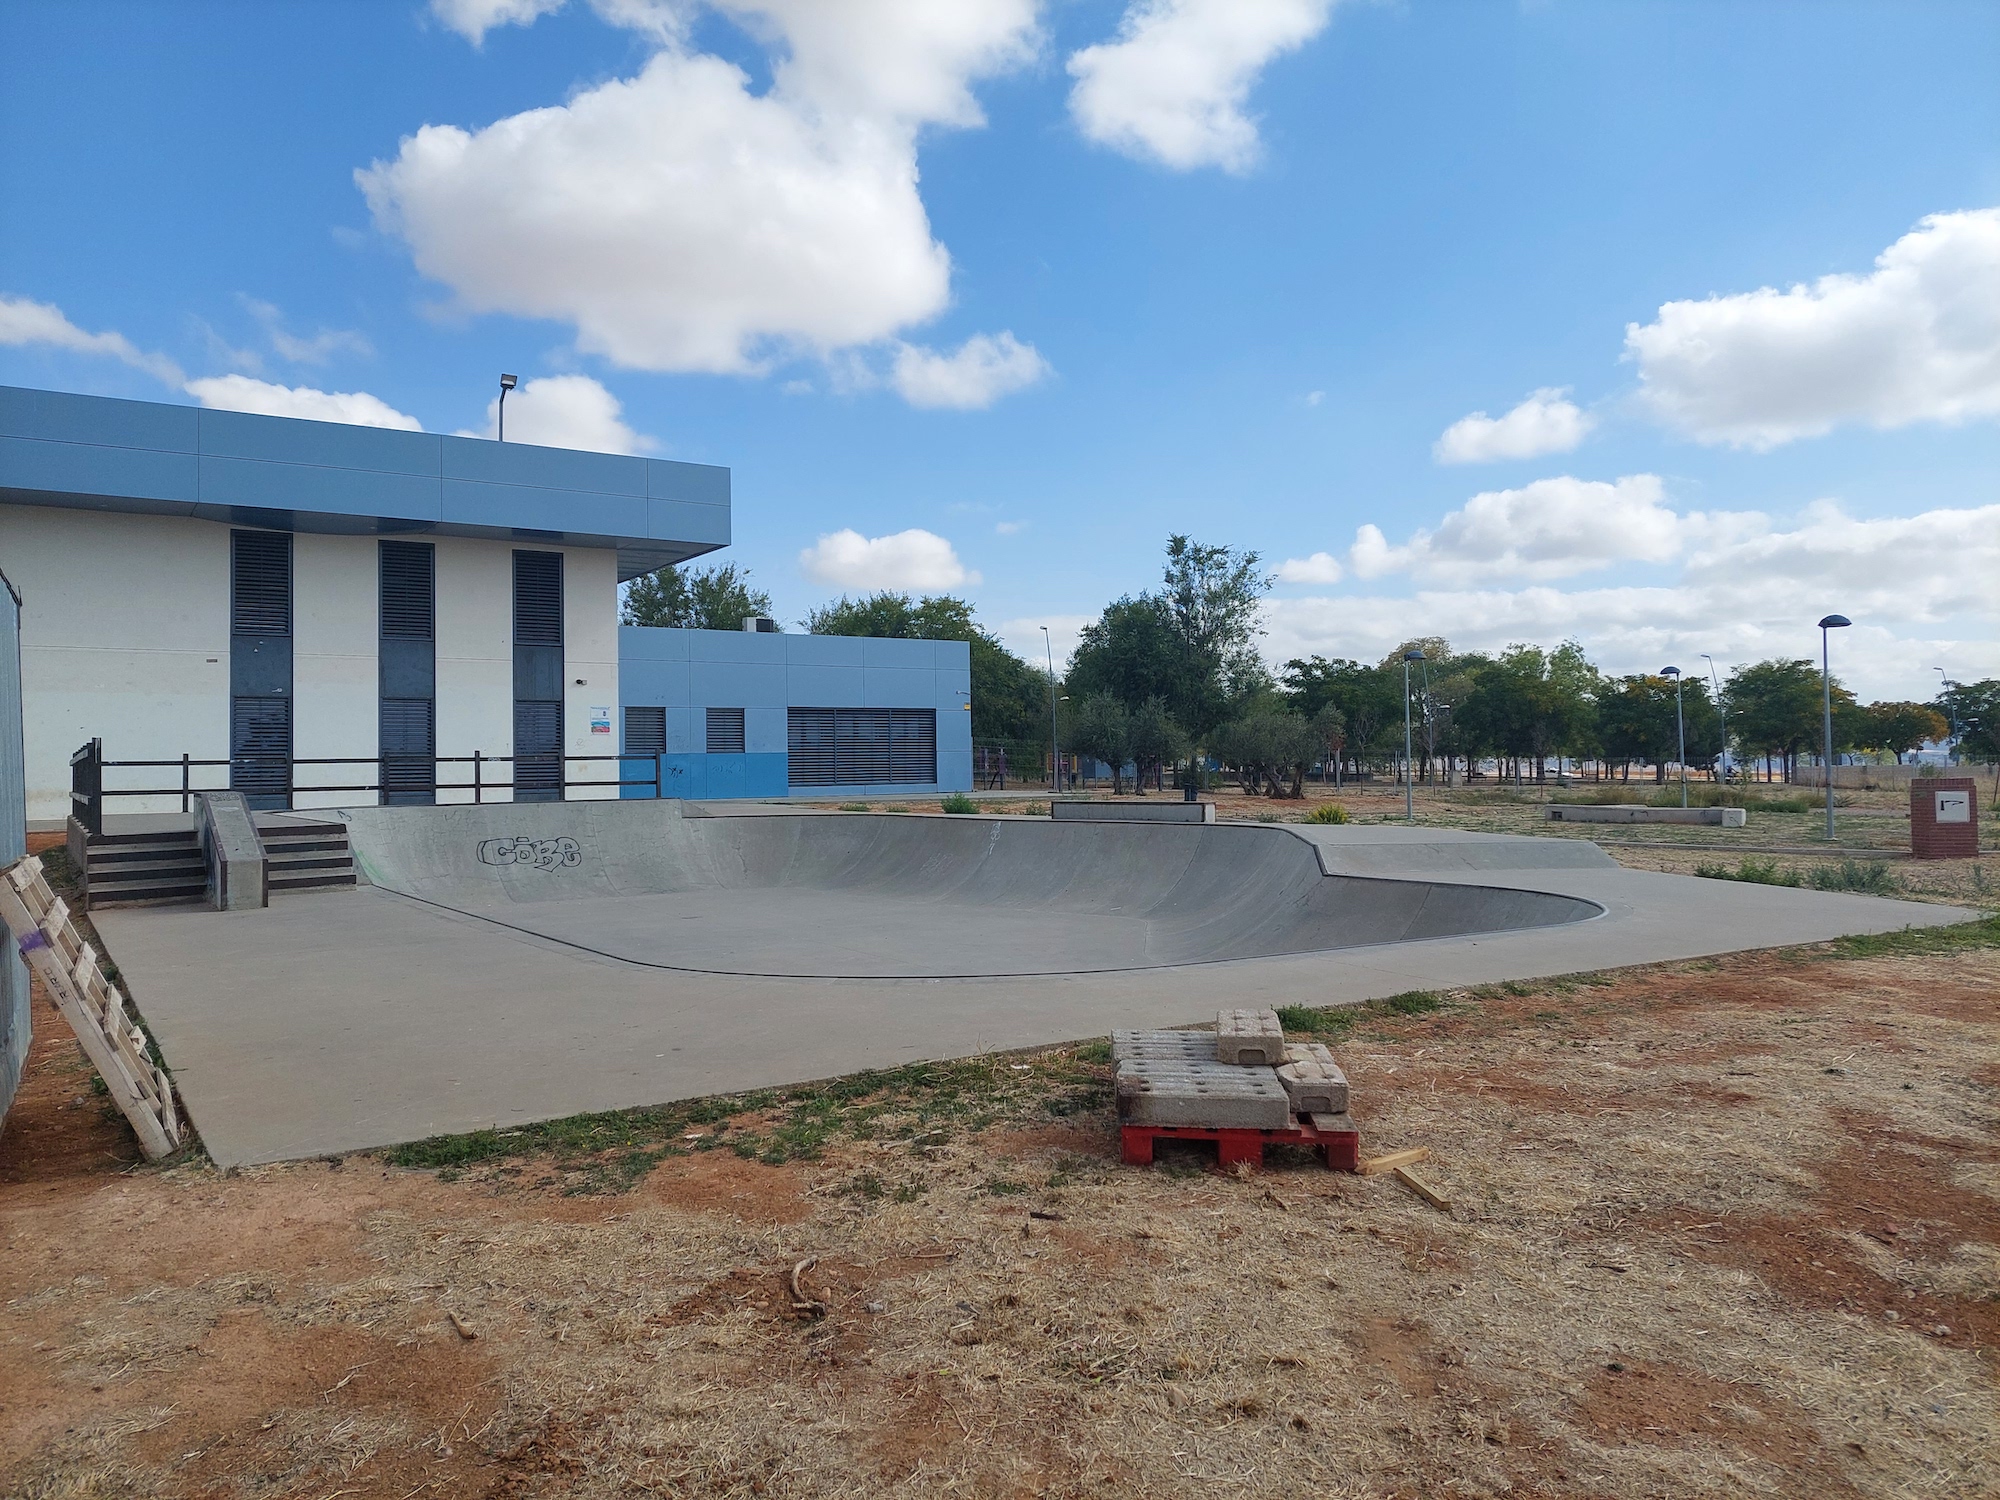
(992, 297)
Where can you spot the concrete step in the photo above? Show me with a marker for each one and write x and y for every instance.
(310, 880)
(151, 892)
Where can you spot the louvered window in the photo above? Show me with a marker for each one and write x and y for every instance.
(260, 596)
(645, 731)
(725, 731)
(260, 749)
(409, 609)
(538, 599)
(409, 751)
(538, 762)
(862, 746)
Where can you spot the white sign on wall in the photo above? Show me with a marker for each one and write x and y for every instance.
(1954, 807)
(600, 721)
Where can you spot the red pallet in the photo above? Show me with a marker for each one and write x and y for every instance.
(1342, 1148)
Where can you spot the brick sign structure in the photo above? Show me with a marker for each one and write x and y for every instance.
(1944, 818)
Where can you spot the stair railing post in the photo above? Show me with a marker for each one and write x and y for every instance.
(186, 780)
(659, 776)
(478, 763)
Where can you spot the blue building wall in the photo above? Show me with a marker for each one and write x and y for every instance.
(687, 672)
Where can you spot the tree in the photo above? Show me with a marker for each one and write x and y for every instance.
(1365, 697)
(1271, 747)
(1899, 727)
(1130, 651)
(1010, 699)
(1101, 728)
(1636, 721)
(1210, 596)
(1775, 708)
(1329, 727)
(1154, 740)
(1973, 710)
(718, 598)
(1535, 703)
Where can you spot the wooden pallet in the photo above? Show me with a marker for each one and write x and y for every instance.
(1341, 1148)
(91, 1004)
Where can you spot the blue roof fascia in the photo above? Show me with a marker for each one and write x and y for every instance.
(102, 453)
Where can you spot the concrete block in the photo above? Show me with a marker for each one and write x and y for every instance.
(1193, 1046)
(1313, 1080)
(1133, 811)
(1249, 1038)
(1206, 1095)
(1627, 812)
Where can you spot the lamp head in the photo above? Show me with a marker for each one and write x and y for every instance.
(1834, 622)
(1670, 671)
(1413, 656)
(508, 382)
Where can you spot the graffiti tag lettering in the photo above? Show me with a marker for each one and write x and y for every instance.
(540, 854)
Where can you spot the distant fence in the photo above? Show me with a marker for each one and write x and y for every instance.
(1880, 778)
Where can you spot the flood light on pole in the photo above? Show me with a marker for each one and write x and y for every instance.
(1828, 624)
(507, 383)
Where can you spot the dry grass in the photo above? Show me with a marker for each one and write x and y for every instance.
(1687, 1201)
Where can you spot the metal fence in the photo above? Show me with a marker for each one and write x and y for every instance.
(14, 1014)
(184, 777)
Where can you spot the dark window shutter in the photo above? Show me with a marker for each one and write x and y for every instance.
(260, 748)
(260, 595)
(409, 590)
(645, 731)
(538, 601)
(862, 746)
(538, 763)
(725, 731)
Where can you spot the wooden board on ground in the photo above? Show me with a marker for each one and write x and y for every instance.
(1423, 1189)
(91, 1004)
(1375, 1166)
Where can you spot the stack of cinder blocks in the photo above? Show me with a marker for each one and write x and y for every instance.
(1244, 1077)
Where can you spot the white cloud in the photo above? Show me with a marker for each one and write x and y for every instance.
(1321, 567)
(472, 19)
(1172, 85)
(1544, 423)
(317, 349)
(975, 375)
(24, 323)
(1009, 528)
(1915, 340)
(1549, 529)
(1313, 398)
(1919, 589)
(241, 393)
(913, 559)
(565, 411)
(682, 222)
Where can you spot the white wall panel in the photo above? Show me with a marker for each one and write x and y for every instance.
(590, 662)
(475, 657)
(336, 683)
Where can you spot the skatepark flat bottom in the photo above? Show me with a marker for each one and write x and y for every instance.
(517, 963)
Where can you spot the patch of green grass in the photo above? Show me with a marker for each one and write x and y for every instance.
(1005, 1187)
(1751, 871)
(1327, 812)
(854, 807)
(1094, 1052)
(1338, 1020)
(1963, 937)
(921, 1104)
(958, 802)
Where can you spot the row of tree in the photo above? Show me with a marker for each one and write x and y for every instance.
(1173, 674)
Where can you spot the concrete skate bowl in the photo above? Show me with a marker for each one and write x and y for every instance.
(874, 896)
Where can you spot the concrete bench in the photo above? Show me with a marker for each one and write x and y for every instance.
(1133, 810)
(1626, 812)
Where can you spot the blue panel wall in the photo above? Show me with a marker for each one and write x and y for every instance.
(687, 672)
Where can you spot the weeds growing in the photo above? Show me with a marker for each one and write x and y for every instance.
(958, 802)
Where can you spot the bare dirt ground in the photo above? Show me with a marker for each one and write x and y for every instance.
(1719, 1228)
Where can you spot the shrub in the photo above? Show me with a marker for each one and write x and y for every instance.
(1864, 877)
(1327, 812)
(854, 807)
(958, 802)
(1753, 872)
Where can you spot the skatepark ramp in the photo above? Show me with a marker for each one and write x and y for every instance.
(905, 896)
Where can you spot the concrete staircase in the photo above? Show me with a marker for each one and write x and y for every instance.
(165, 866)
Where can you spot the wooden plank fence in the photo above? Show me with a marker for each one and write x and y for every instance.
(91, 1004)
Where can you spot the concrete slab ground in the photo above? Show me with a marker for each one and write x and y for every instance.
(342, 1020)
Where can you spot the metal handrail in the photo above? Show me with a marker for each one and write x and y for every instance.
(88, 765)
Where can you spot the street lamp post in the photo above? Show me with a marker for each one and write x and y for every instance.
(1722, 723)
(1828, 624)
(507, 383)
(1055, 748)
(1409, 771)
(1680, 730)
(1945, 685)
